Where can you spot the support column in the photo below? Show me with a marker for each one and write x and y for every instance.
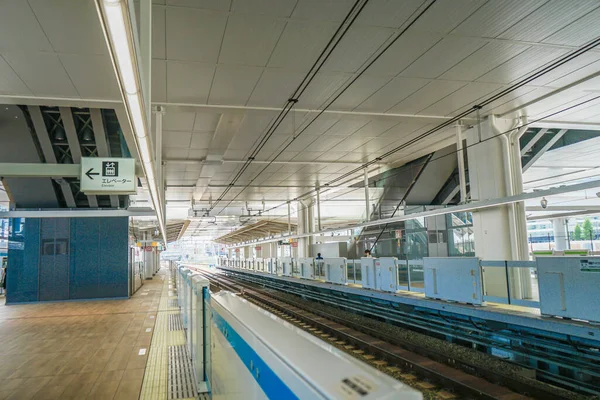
(367, 198)
(495, 228)
(461, 164)
(560, 234)
(318, 208)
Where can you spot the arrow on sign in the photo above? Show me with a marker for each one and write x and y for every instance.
(90, 173)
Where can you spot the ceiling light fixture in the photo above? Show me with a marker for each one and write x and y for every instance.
(118, 31)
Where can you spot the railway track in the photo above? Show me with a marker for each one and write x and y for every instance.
(404, 361)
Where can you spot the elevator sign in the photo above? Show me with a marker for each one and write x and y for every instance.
(101, 175)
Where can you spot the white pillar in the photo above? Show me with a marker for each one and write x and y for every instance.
(461, 164)
(495, 228)
(560, 234)
(367, 198)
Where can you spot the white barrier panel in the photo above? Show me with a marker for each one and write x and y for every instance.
(453, 279)
(286, 266)
(368, 272)
(252, 359)
(569, 287)
(307, 268)
(388, 274)
(336, 270)
(200, 328)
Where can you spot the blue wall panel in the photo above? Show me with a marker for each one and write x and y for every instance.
(23, 260)
(85, 235)
(78, 258)
(114, 257)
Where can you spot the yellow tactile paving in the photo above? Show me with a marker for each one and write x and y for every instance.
(157, 368)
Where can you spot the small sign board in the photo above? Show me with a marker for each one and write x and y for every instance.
(103, 175)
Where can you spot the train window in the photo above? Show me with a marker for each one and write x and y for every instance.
(48, 247)
(62, 247)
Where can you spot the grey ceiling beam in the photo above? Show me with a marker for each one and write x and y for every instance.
(48, 152)
(544, 149)
(77, 213)
(102, 144)
(74, 146)
(41, 170)
(533, 141)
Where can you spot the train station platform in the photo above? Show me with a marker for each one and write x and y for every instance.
(88, 349)
(500, 313)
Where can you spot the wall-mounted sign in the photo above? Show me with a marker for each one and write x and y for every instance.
(101, 175)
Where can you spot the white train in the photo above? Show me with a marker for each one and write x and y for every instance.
(241, 351)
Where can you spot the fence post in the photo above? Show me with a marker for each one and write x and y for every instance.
(507, 281)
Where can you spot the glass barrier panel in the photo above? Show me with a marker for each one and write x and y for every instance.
(403, 281)
(416, 275)
(350, 271)
(357, 272)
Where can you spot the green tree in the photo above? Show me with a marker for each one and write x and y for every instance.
(577, 232)
(588, 229)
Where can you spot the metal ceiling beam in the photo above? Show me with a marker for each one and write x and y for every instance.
(27, 170)
(544, 149)
(73, 140)
(47, 150)
(476, 205)
(533, 141)
(102, 144)
(76, 213)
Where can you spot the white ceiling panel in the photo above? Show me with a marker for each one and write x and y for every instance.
(194, 35)
(443, 56)
(274, 143)
(206, 121)
(579, 32)
(347, 126)
(208, 4)
(312, 126)
(359, 91)
(332, 156)
(357, 46)
(410, 46)
(159, 33)
(159, 81)
(93, 76)
(350, 144)
(324, 143)
(10, 83)
(322, 89)
(175, 152)
(548, 19)
(71, 26)
(233, 84)
(178, 121)
(308, 155)
(484, 60)
(391, 94)
(54, 81)
(403, 129)
(522, 64)
(188, 82)
(581, 67)
(444, 16)
(322, 10)
(19, 28)
(275, 87)
(177, 139)
(287, 155)
(280, 8)
(428, 95)
(301, 142)
(250, 41)
(375, 128)
(301, 43)
(465, 96)
(387, 13)
(496, 16)
(197, 154)
(517, 98)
